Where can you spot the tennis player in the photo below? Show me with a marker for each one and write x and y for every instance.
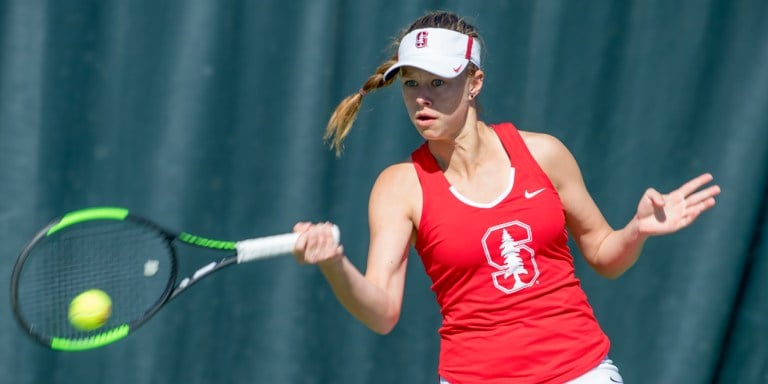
(488, 208)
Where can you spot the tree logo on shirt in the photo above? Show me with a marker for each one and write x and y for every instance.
(506, 250)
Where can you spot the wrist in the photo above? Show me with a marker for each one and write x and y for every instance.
(636, 232)
(332, 263)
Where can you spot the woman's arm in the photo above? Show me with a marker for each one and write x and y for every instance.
(374, 298)
(611, 252)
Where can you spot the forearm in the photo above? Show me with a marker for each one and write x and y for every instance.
(364, 300)
(618, 251)
(657, 214)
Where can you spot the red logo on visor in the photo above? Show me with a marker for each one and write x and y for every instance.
(421, 39)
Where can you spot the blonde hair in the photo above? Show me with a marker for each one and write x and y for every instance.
(344, 115)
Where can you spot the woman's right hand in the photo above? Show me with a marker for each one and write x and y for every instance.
(316, 243)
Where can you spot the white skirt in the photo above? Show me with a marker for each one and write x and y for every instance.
(604, 373)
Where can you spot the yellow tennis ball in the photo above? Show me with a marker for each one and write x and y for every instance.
(90, 310)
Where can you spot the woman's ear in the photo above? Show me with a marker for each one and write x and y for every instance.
(476, 83)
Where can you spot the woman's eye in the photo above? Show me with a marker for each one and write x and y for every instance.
(437, 82)
(410, 83)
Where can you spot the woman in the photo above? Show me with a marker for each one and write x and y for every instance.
(486, 207)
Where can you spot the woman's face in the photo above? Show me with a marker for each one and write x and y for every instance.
(437, 106)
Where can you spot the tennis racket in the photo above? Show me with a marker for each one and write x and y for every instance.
(130, 258)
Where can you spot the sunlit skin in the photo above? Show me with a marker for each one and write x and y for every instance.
(474, 161)
(439, 107)
(443, 111)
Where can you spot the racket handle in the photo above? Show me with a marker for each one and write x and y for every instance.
(271, 246)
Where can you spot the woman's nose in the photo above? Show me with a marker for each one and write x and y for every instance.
(424, 99)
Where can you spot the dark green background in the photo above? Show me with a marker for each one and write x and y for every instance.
(207, 116)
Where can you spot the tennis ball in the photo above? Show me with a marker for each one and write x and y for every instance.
(90, 310)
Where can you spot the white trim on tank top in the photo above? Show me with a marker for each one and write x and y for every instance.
(495, 201)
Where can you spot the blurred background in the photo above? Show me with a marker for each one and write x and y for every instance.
(207, 116)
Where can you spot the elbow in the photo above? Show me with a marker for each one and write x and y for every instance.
(609, 271)
(386, 325)
(610, 268)
(610, 275)
(382, 330)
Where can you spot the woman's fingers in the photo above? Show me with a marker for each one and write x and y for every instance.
(315, 243)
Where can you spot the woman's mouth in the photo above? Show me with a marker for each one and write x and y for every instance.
(424, 118)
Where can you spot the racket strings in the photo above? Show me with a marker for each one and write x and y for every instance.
(132, 263)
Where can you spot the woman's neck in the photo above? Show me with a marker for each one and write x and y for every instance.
(472, 148)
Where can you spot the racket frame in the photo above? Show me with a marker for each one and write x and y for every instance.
(239, 252)
(112, 334)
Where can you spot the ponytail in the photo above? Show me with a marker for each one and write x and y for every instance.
(345, 114)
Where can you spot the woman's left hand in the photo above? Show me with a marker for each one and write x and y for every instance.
(659, 214)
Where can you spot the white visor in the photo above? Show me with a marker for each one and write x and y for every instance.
(439, 51)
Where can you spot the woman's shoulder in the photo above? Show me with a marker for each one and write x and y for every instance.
(549, 152)
(400, 173)
(539, 138)
(397, 189)
(543, 145)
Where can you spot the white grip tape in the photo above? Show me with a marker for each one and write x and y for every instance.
(271, 246)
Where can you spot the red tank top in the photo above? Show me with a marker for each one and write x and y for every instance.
(513, 310)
